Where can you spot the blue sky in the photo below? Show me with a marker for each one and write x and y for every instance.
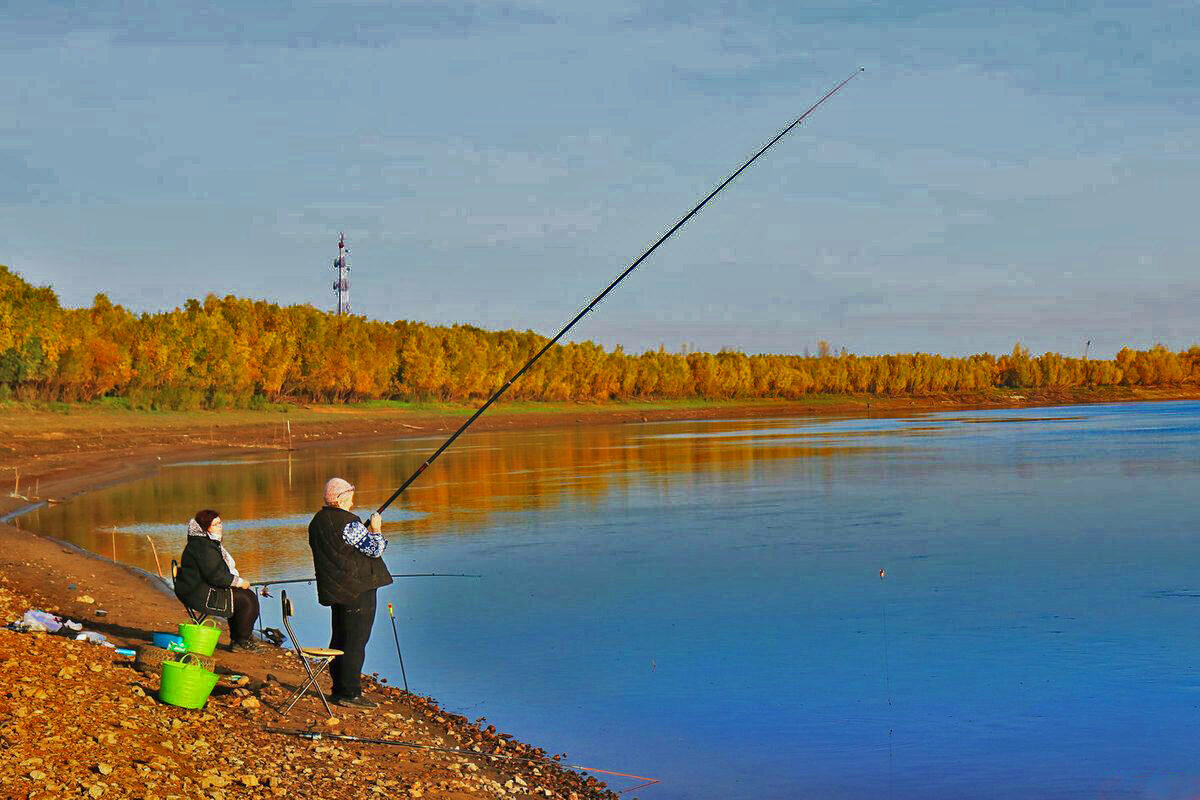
(993, 176)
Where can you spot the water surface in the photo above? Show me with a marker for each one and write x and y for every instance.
(702, 601)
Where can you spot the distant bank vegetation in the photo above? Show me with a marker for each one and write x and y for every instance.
(232, 352)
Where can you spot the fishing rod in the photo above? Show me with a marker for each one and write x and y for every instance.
(396, 636)
(316, 736)
(611, 286)
(404, 575)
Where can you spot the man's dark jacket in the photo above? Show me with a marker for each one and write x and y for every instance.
(204, 579)
(343, 571)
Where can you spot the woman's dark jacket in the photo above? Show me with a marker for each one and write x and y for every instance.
(204, 581)
(343, 571)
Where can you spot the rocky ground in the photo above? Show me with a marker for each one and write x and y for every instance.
(78, 720)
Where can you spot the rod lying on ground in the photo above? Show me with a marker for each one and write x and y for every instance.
(316, 736)
(405, 575)
(602, 295)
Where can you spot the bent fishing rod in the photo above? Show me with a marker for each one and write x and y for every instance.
(403, 575)
(496, 396)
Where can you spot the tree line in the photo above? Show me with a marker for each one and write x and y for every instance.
(229, 351)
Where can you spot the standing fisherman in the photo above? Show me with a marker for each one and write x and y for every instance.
(349, 568)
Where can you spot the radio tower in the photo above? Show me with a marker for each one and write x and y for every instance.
(342, 284)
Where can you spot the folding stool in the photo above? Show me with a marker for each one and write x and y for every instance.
(314, 659)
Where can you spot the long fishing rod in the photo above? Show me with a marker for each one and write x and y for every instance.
(404, 575)
(317, 736)
(611, 286)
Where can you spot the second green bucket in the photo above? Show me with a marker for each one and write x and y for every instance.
(185, 683)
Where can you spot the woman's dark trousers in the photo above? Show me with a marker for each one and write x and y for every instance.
(351, 629)
(245, 612)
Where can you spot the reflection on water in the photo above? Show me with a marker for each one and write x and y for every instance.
(271, 500)
(298, 521)
(701, 601)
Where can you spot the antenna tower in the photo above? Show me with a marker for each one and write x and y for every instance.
(342, 284)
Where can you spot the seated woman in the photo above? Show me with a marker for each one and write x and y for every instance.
(208, 581)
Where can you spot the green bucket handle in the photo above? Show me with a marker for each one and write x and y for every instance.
(207, 620)
(195, 661)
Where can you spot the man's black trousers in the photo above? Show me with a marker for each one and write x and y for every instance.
(351, 629)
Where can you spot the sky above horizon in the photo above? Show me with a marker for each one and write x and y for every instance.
(994, 175)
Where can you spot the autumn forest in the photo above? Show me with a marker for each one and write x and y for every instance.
(228, 351)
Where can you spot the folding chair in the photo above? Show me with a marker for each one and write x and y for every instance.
(314, 659)
(196, 616)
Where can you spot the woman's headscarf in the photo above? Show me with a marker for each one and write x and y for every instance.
(194, 529)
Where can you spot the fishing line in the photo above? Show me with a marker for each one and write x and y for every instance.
(266, 585)
(887, 672)
(317, 736)
(404, 575)
(887, 669)
(496, 396)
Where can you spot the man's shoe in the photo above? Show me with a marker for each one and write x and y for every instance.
(354, 702)
(248, 646)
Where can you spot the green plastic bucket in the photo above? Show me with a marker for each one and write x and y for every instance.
(201, 638)
(185, 683)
